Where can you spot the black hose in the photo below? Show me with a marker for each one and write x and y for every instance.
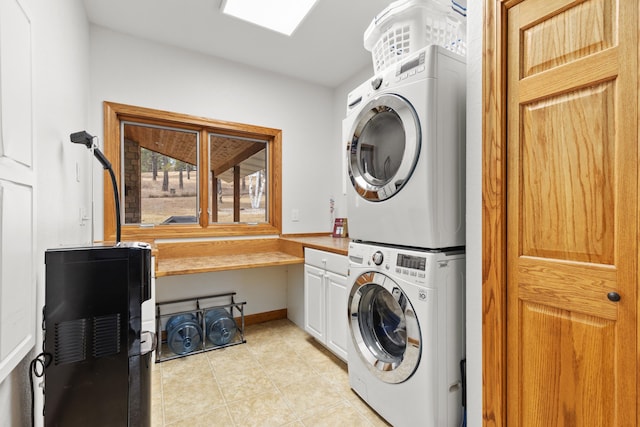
(42, 361)
(117, 199)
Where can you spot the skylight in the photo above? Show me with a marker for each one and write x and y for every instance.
(282, 16)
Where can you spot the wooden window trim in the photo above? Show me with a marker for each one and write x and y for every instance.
(115, 113)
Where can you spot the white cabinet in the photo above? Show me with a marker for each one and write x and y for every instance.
(337, 323)
(325, 299)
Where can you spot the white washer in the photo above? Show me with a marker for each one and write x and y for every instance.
(407, 342)
(405, 135)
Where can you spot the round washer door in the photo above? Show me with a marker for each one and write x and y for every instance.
(384, 328)
(383, 148)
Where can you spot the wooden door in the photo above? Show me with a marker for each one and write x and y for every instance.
(572, 202)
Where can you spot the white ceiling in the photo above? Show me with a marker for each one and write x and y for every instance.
(327, 48)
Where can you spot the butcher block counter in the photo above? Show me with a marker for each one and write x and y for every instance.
(337, 245)
(219, 255)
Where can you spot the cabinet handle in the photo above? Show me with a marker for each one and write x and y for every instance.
(613, 296)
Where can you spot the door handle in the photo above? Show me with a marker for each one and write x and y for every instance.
(613, 296)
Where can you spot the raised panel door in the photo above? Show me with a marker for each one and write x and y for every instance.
(571, 213)
(17, 187)
(314, 302)
(337, 314)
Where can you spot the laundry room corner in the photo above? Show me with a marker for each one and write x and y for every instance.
(474, 214)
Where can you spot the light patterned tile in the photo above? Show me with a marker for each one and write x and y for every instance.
(311, 396)
(278, 377)
(157, 406)
(217, 418)
(157, 418)
(289, 371)
(232, 359)
(186, 366)
(270, 352)
(313, 352)
(341, 385)
(244, 384)
(190, 396)
(267, 409)
(155, 366)
(308, 342)
(330, 366)
(375, 419)
(156, 382)
(341, 414)
(366, 411)
(293, 331)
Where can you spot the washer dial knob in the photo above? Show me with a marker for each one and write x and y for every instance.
(377, 258)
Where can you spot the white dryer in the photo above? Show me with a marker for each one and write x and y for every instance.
(405, 138)
(406, 325)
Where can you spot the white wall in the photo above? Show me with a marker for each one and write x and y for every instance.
(137, 72)
(133, 71)
(263, 289)
(60, 93)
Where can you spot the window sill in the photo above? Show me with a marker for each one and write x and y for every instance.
(194, 231)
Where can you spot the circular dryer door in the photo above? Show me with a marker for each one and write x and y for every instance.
(384, 144)
(384, 327)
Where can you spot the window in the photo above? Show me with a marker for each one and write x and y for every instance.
(237, 189)
(160, 174)
(186, 176)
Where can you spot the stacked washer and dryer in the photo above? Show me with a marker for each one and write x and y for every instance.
(405, 134)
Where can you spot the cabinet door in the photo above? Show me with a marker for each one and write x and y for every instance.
(337, 316)
(18, 183)
(314, 302)
(572, 212)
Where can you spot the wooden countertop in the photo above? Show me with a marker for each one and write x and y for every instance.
(338, 245)
(217, 255)
(192, 265)
(220, 255)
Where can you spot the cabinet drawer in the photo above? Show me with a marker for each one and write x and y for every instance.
(326, 260)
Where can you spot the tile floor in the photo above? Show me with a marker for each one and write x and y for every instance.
(279, 377)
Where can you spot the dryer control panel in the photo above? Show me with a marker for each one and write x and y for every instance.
(410, 64)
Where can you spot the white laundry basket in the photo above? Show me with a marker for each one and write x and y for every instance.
(405, 26)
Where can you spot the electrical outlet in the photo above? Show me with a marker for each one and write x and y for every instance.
(83, 216)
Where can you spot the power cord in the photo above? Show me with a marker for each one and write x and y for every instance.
(37, 367)
(463, 375)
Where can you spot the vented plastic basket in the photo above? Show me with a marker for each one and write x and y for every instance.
(406, 26)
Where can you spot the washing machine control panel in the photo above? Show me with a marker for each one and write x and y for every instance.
(411, 266)
(412, 262)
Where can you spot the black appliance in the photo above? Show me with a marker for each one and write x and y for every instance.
(100, 370)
